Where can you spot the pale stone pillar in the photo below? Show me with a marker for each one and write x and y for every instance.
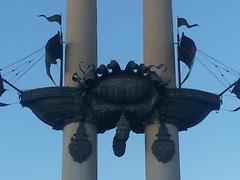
(159, 49)
(72, 170)
(158, 36)
(81, 37)
(156, 170)
(81, 49)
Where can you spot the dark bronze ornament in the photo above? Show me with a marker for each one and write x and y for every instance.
(121, 136)
(107, 92)
(80, 147)
(121, 98)
(129, 99)
(163, 147)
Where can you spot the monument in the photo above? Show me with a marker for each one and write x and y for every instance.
(142, 98)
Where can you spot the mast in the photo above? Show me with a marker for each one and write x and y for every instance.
(61, 62)
(178, 60)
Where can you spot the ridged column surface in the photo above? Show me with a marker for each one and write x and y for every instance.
(159, 49)
(81, 49)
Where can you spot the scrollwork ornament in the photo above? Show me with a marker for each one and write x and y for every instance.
(80, 147)
(163, 147)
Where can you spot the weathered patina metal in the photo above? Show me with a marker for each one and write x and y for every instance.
(80, 147)
(121, 136)
(55, 106)
(163, 147)
(108, 94)
(189, 107)
(58, 106)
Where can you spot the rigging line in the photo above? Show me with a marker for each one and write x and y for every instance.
(224, 109)
(7, 66)
(236, 74)
(229, 96)
(14, 103)
(183, 71)
(24, 67)
(20, 66)
(29, 68)
(211, 72)
(9, 89)
(17, 73)
(224, 78)
(30, 61)
(226, 70)
(217, 61)
(8, 73)
(221, 67)
(230, 110)
(15, 69)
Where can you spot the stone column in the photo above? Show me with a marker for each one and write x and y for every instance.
(159, 49)
(156, 170)
(158, 36)
(81, 49)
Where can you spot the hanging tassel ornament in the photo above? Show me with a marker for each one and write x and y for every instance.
(80, 147)
(121, 136)
(163, 147)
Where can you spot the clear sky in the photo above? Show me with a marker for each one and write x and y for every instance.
(30, 149)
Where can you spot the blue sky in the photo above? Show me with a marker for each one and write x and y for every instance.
(32, 150)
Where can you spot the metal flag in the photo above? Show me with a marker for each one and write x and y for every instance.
(183, 22)
(236, 89)
(186, 53)
(187, 50)
(53, 51)
(3, 104)
(2, 90)
(55, 18)
(237, 109)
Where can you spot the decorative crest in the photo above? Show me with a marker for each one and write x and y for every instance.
(163, 147)
(80, 147)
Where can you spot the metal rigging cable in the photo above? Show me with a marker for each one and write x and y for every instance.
(219, 71)
(220, 67)
(22, 65)
(29, 68)
(29, 55)
(214, 59)
(211, 72)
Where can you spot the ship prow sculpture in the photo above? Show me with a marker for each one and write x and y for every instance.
(142, 98)
(109, 97)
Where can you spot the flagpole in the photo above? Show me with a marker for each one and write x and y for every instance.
(178, 60)
(61, 62)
